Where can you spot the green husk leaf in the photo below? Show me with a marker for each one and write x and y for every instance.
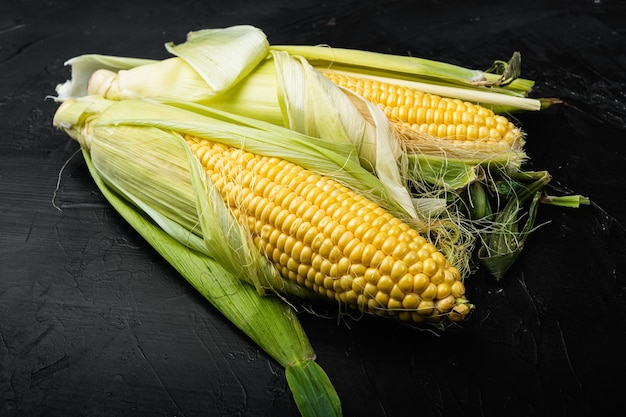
(570, 201)
(521, 184)
(223, 57)
(504, 245)
(503, 241)
(479, 206)
(223, 289)
(447, 174)
(498, 265)
(508, 71)
(310, 400)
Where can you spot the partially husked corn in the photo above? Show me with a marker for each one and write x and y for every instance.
(335, 242)
(464, 123)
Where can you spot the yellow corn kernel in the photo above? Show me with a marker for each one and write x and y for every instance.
(411, 302)
(425, 307)
(446, 118)
(446, 304)
(459, 312)
(347, 248)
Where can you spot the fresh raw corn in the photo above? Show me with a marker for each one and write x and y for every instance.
(459, 122)
(260, 172)
(144, 171)
(333, 241)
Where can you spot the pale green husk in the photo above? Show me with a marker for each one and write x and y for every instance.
(223, 57)
(154, 181)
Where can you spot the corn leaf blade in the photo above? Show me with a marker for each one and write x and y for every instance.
(222, 57)
(310, 402)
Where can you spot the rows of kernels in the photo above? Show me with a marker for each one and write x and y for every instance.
(444, 117)
(326, 238)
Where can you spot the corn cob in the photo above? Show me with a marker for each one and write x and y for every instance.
(331, 240)
(415, 113)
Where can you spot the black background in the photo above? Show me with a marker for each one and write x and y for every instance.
(94, 323)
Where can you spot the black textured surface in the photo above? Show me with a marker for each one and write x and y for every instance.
(94, 323)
